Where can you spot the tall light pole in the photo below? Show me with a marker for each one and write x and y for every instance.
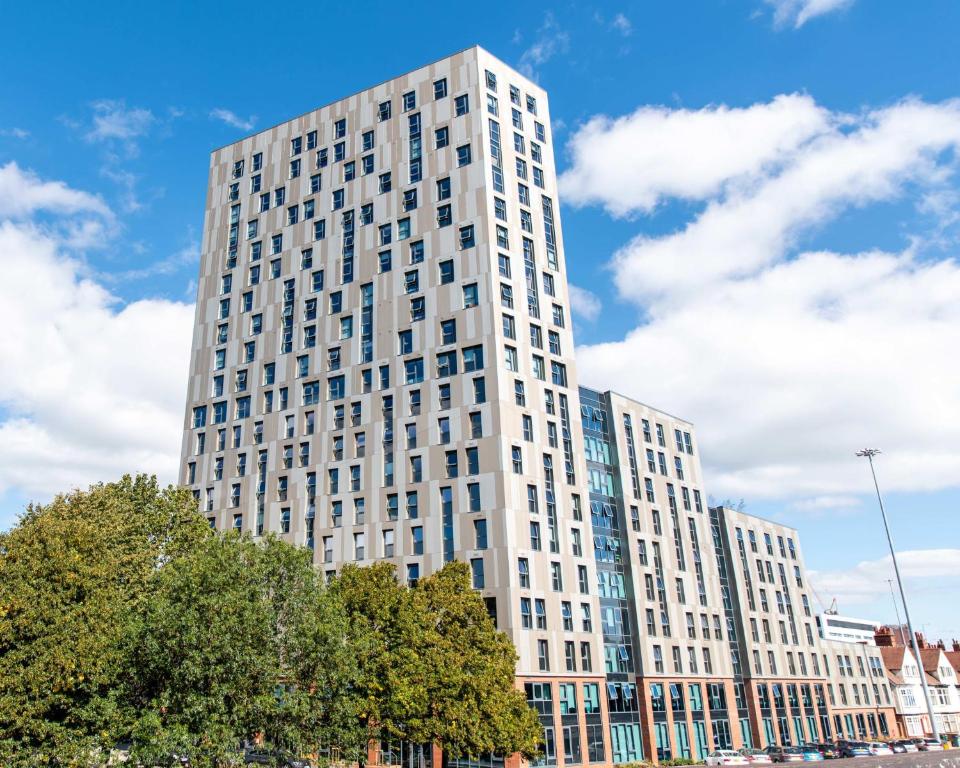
(869, 453)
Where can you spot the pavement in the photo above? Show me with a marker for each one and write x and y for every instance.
(949, 758)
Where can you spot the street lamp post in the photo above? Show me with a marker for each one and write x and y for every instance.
(869, 453)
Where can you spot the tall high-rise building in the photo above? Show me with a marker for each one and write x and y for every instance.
(383, 369)
(383, 365)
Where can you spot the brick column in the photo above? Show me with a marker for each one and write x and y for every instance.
(646, 717)
(735, 739)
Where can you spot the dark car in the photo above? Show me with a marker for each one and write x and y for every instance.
(853, 749)
(785, 754)
(278, 759)
(829, 751)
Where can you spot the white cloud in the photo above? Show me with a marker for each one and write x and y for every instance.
(788, 373)
(550, 40)
(622, 24)
(233, 119)
(796, 13)
(757, 220)
(584, 303)
(866, 582)
(690, 154)
(112, 120)
(22, 194)
(790, 361)
(91, 388)
(16, 133)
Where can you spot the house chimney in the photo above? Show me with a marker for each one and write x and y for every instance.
(956, 646)
(884, 637)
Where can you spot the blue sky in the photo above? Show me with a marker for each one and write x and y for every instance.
(760, 211)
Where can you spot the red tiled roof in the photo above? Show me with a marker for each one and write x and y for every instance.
(954, 658)
(892, 658)
(931, 659)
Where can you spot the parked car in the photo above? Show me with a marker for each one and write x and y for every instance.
(726, 757)
(904, 745)
(756, 756)
(811, 753)
(929, 745)
(829, 751)
(896, 747)
(853, 749)
(879, 748)
(266, 757)
(785, 754)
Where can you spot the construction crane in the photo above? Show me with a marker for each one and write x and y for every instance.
(832, 610)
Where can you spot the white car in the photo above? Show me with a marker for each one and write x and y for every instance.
(726, 757)
(878, 748)
(929, 745)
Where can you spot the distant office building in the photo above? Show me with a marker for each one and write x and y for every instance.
(846, 629)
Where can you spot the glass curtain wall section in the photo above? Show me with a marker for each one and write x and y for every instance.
(614, 577)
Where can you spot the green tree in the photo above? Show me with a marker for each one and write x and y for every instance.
(432, 666)
(123, 616)
(72, 573)
(318, 708)
(385, 638)
(201, 653)
(239, 639)
(472, 705)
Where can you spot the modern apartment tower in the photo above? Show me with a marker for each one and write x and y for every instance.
(383, 368)
(383, 365)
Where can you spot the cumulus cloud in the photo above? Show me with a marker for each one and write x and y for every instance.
(23, 193)
(92, 387)
(16, 133)
(550, 40)
(631, 164)
(584, 303)
(788, 373)
(796, 13)
(866, 582)
(233, 119)
(755, 222)
(789, 360)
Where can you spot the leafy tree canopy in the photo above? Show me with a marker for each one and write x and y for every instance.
(72, 573)
(433, 666)
(124, 617)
